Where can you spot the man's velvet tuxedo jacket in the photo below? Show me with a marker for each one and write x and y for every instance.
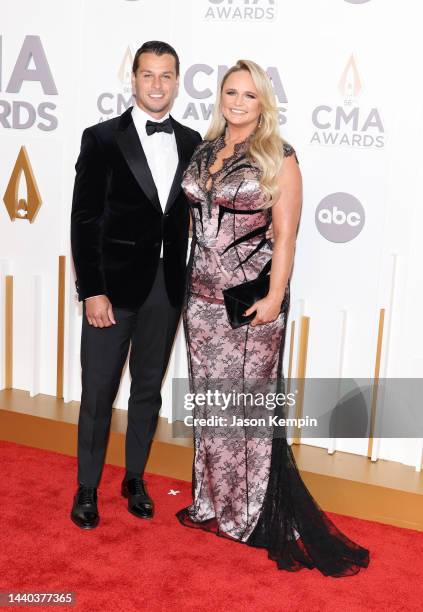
(117, 221)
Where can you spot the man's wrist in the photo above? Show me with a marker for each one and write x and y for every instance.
(92, 296)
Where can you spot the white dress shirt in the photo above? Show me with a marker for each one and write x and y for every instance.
(162, 155)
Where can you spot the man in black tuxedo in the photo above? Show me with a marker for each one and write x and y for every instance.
(129, 234)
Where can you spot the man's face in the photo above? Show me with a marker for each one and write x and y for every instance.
(155, 83)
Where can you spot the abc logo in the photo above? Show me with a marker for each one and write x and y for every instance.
(340, 217)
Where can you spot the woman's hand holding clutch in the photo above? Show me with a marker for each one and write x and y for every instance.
(267, 310)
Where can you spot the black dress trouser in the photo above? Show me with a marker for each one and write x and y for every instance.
(150, 331)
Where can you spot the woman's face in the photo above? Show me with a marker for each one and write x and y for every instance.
(239, 103)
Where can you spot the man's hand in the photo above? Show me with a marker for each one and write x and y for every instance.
(99, 311)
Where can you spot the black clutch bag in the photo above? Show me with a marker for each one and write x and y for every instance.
(239, 298)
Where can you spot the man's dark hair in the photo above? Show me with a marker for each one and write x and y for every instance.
(159, 48)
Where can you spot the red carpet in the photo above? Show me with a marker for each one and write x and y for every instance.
(127, 564)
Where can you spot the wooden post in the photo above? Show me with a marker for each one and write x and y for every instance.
(376, 382)
(301, 371)
(8, 374)
(60, 327)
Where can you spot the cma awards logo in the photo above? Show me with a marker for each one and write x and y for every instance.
(340, 217)
(22, 198)
(109, 103)
(348, 124)
(240, 10)
(18, 111)
(201, 81)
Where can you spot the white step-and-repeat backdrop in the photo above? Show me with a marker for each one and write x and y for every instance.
(349, 92)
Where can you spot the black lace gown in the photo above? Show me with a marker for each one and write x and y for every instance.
(245, 487)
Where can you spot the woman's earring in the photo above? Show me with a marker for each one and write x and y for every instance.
(260, 121)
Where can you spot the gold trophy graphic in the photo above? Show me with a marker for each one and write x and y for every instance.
(350, 82)
(125, 70)
(21, 207)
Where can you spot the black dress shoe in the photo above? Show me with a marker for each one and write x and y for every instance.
(84, 510)
(140, 503)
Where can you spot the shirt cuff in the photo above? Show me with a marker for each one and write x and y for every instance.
(92, 296)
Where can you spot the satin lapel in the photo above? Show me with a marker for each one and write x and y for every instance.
(184, 154)
(130, 145)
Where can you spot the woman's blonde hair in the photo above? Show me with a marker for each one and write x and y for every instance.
(266, 145)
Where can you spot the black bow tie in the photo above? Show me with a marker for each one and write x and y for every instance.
(158, 126)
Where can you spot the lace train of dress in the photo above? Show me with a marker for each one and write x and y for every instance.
(289, 506)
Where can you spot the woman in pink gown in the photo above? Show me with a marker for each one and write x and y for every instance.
(246, 485)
